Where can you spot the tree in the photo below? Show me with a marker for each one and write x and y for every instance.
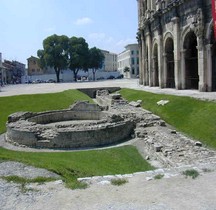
(126, 70)
(96, 58)
(54, 53)
(78, 54)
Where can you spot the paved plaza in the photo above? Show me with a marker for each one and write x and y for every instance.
(20, 89)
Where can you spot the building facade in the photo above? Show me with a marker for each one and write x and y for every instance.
(176, 44)
(11, 72)
(33, 66)
(110, 61)
(129, 58)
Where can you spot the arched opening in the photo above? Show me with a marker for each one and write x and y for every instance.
(213, 42)
(155, 66)
(170, 64)
(191, 61)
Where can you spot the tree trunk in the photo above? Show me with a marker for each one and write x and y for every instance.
(93, 72)
(75, 75)
(57, 71)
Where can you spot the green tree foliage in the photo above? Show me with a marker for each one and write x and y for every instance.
(54, 53)
(78, 55)
(96, 58)
(126, 69)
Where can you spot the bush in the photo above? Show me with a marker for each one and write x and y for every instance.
(192, 173)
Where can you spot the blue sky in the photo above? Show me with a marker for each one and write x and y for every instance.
(106, 24)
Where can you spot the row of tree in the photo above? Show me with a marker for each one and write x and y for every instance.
(61, 52)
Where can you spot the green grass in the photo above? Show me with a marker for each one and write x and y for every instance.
(191, 173)
(37, 102)
(22, 180)
(194, 117)
(71, 165)
(119, 181)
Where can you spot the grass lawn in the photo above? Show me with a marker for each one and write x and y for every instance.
(194, 117)
(70, 165)
(38, 102)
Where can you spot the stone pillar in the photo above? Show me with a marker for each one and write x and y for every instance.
(201, 72)
(176, 42)
(143, 68)
(148, 4)
(209, 67)
(183, 77)
(160, 61)
(140, 63)
(149, 44)
(165, 70)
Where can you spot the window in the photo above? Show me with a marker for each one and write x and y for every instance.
(137, 61)
(133, 70)
(132, 61)
(132, 52)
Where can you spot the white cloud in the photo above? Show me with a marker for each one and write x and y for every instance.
(97, 36)
(83, 21)
(106, 42)
(124, 42)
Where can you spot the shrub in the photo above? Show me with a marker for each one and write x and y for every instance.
(192, 173)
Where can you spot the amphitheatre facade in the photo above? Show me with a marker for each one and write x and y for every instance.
(176, 44)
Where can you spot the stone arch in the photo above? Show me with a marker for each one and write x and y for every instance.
(155, 64)
(169, 61)
(191, 60)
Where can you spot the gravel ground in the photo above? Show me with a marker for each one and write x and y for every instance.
(142, 192)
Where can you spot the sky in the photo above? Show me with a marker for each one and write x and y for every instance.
(105, 24)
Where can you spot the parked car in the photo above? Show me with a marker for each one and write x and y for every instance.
(120, 76)
(100, 78)
(50, 81)
(111, 77)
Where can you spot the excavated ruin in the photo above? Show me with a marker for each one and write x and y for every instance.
(111, 121)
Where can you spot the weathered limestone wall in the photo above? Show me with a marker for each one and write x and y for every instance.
(66, 115)
(91, 137)
(83, 125)
(91, 92)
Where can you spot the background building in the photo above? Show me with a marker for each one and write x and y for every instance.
(110, 61)
(176, 44)
(11, 72)
(129, 58)
(33, 66)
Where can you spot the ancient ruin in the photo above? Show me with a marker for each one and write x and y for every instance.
(83, 125)
(111, 121)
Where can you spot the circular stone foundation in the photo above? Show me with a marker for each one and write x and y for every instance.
(82, 126)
